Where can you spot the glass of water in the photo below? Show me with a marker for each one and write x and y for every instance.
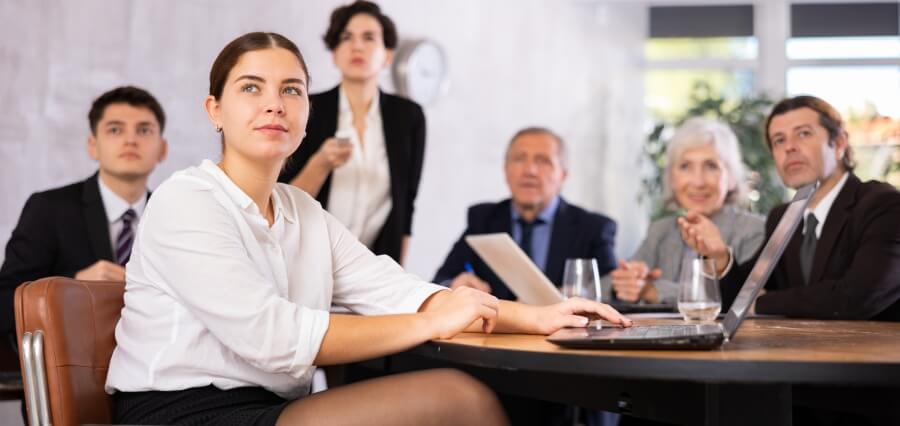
(699, 299)
(581, 278)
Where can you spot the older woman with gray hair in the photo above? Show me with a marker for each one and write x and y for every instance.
(704, 173)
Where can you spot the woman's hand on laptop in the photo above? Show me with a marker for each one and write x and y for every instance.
(452, 312)
(468, 279)
(576, 312)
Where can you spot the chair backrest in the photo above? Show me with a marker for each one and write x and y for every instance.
(77, 320)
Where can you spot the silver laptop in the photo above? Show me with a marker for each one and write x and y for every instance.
(697, 336)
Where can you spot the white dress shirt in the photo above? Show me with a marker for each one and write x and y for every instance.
(115, 207)
(214, 295)
(824, 206)
(360, 194)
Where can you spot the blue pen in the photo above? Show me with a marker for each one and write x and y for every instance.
(469, 268)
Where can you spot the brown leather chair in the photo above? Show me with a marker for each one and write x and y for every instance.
(66, 331)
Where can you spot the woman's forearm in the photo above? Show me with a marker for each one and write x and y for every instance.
(352, 338)
(513, 317)
(311, 177)
(404, 248)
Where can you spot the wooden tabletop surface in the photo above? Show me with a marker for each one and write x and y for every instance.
(763, 351)
(756, 340)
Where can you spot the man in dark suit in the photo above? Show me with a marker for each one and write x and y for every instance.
(548, 229)
(843, 262)
(85, 230)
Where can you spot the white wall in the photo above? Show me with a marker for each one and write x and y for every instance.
(573, 66)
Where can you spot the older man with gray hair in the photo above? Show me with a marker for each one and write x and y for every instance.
(548, 229)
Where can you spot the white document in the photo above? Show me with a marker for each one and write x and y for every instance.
(513, 266)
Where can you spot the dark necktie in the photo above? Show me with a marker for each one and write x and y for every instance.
(808, 248)
(527, 231)
(125, 238)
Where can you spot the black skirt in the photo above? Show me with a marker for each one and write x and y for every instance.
(199, 406)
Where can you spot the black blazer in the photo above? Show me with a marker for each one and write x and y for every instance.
(856, 268)
(404, 135)
(60, 232)
(577, 233)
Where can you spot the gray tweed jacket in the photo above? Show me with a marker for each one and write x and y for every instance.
(663, 247)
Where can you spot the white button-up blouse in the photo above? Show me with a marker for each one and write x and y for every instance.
(360, 194)
(214, 295)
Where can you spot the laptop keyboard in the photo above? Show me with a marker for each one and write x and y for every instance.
(656, 331)
(663, 331)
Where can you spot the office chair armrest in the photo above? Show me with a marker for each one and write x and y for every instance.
(35, 378)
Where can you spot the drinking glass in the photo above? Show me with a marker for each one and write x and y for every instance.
(581, 278)
(699, 299)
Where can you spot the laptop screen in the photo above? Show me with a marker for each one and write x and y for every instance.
(767, 259)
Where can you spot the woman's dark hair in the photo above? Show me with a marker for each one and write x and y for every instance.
(342, 15)
(134, 96)
(829, 118)
(231, 54)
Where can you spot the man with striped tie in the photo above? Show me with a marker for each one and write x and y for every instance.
(85, 230)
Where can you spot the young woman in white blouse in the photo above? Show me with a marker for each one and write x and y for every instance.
(232, 275)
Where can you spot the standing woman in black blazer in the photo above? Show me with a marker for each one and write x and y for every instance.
(362, 155)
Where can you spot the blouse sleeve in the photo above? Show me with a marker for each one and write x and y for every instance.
(369, 284)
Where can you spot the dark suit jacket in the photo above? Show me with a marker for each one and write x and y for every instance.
(404, 135)
(60, 232)
(576, 233)
(856, 267)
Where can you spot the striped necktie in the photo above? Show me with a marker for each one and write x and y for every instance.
(125, 238)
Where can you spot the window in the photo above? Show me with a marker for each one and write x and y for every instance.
(712, 46)
(703, 60)
(670, 93)
(887, 47)
(849, 55)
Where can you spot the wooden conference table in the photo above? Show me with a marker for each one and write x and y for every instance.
(756, 378)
